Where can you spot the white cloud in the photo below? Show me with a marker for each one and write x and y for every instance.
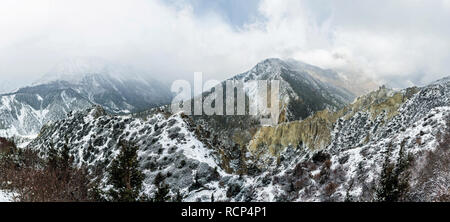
(383, 39)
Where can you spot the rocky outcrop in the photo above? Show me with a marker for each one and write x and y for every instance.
(317, 131)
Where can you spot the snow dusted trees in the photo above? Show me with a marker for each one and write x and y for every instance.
(434, 178)
(443, 166)
(394, 181)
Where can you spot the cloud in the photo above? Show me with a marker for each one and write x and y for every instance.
(391, 41)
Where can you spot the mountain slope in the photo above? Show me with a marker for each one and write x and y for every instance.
(168, 145)
(383, 136)
(24, 112)
(301, 94)
(73, 86)
(357, 84)
(117, 88)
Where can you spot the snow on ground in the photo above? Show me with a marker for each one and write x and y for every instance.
(6, 196)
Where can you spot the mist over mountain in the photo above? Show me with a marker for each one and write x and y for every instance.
(6, 86)
(119, 88)
(74, 85)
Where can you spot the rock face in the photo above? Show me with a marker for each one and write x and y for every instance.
(316, 132)
(73, 86)
(384, 130)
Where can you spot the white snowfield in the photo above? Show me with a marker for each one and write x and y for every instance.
(6, 196)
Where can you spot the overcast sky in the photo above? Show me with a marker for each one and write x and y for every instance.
(399, 42)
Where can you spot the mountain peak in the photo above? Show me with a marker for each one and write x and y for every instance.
(272, 63)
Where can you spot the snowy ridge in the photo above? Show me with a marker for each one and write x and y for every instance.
(301, 93)
(350, 169)
(167, 145)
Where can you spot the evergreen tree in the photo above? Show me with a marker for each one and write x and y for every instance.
(125, 175)
(53, 157)
(60, 160)
(65, 158)
(162, 192)
(394, 179)
(178, 197)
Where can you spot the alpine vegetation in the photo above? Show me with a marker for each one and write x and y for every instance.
(321, 142)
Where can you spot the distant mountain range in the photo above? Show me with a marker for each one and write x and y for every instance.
(76, 85)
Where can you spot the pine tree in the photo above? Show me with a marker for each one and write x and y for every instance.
(65, 158)
(125, 175)
(60, 160)
(178, 197)
(162, 192)
(394, 178)
(53, 157)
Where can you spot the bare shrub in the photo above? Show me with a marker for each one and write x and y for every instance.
(330, 188)
(6, 145)
(33, 179)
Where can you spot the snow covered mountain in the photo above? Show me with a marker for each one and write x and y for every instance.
(117, 88)
(302, 93)
(24, 112)
(75, 85)
(386, 145)
(169, 145)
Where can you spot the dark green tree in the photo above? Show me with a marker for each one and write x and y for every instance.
(60, 160)
(178, 197)
(53, 157)
(125, 176)
(162, 193)
(394, 179)
(65, 159)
